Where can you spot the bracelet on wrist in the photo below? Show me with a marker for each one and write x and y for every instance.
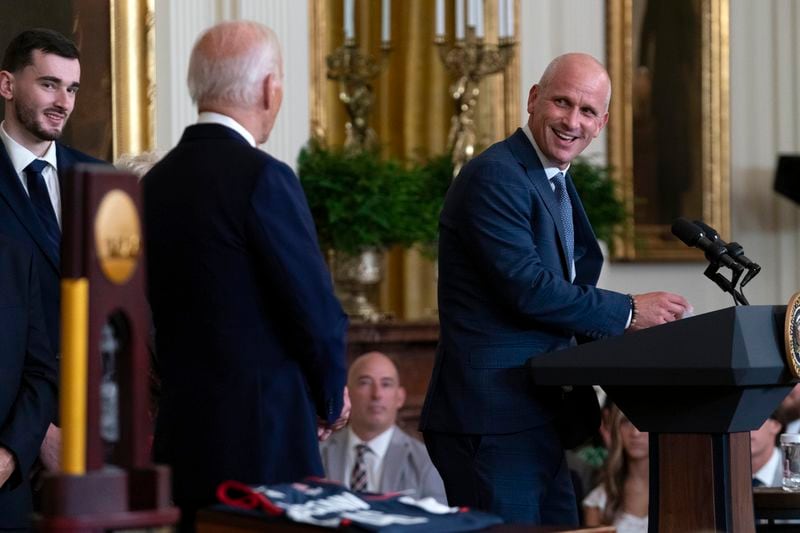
(634, 311)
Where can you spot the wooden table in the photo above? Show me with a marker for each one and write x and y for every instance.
(774, 505)
(232, 521)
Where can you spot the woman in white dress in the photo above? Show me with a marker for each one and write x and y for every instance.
(621, 499)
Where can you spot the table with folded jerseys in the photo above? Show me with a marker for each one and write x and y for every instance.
(223, 519)
(318, 505)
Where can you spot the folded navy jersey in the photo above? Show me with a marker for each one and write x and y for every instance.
(328, 504)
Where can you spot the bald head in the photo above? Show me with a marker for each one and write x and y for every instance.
(566, 64)
(568, 107)
(375, 394)
(229, 62)
(372, 359)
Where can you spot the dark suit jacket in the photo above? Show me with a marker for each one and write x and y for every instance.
(19, 222)
(505, 294)
(249, 334)
(28, 377)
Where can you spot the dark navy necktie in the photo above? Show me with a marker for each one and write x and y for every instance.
(40, 198)
(565, 208)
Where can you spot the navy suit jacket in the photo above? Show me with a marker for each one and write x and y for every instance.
(249, 335)
(19, 222)
(505, 294)
(28, 377)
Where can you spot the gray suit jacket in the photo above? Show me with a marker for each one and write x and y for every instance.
(407, 466)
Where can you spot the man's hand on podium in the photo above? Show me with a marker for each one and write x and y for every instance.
(324, 430)
(656, 308)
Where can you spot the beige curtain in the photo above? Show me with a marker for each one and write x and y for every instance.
(411, 115)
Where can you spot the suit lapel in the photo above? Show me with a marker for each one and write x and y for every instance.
(526, 155)
(336, 455)
(393, 462)
(19, 203)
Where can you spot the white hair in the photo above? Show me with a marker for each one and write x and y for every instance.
(229, 61)
(139, 164)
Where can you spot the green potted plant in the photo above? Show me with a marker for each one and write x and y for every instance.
(595, 186)
(363, 204)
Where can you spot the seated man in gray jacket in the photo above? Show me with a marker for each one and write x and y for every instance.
(373, 454)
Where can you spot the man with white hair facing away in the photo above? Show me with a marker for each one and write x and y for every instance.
(249, 334)
(375, 455)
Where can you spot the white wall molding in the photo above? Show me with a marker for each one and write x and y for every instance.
(180, 22)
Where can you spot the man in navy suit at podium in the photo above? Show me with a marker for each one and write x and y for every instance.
(518, 264)
(249, 334)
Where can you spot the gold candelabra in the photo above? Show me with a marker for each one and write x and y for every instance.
(355, 70)
(470, 59)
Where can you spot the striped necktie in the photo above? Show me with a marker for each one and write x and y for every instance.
(358, 477)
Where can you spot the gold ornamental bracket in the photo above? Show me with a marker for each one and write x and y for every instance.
(792, 335)
(354, 71)
(470, 59)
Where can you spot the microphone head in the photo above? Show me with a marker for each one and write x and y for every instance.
(688, 232)
(710, 232)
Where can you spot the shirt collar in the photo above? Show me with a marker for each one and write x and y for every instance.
(20, 156)
(766, 474)
(550, 169)
(378, 445)
(210, 117)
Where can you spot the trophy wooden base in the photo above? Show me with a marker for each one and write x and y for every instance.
(107, 499)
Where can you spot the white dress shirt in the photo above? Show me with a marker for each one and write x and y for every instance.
(21, 157)
(766, 474)
(210, 117)
(373, 459)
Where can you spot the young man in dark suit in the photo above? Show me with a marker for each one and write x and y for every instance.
(518, 264)
(28, 377)
(249, 334)
(39, 83)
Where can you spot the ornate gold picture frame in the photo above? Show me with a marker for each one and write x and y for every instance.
(133, 74)
(668, 132)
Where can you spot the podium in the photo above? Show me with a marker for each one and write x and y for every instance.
(698, 385)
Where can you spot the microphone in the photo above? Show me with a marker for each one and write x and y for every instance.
(692, 235)
(734, 248)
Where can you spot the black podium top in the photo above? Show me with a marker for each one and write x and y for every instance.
(722, 371)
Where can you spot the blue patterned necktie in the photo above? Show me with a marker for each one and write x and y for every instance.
(40, 198)
(358, 477)
(565, 209)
